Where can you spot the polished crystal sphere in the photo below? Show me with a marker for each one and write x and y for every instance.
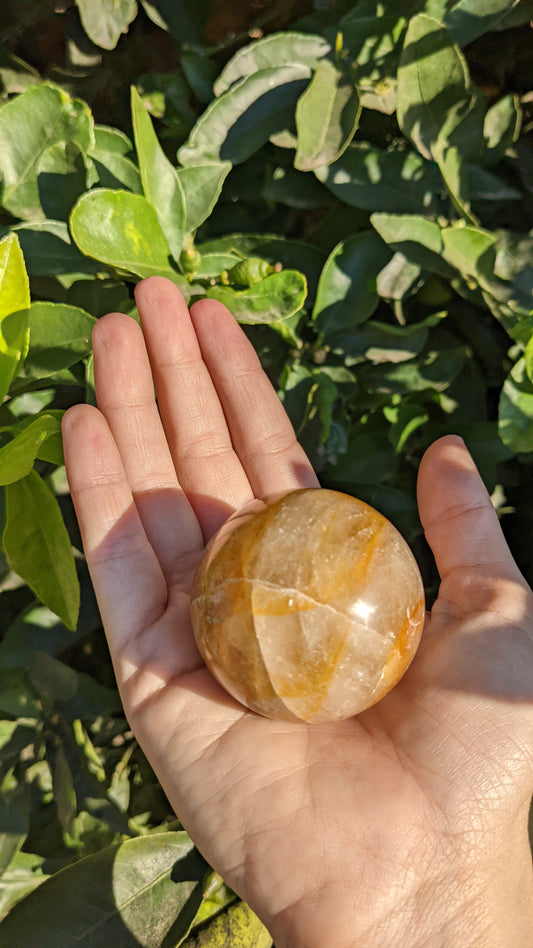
(308, 606)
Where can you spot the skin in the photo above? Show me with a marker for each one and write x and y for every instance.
(404, 826)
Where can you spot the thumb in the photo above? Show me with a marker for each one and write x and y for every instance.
(459, 520)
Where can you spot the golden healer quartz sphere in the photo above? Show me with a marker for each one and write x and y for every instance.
(308, 606)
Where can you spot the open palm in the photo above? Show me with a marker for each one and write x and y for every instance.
(392, 811)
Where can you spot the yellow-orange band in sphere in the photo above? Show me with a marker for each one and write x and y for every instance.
(308, 607)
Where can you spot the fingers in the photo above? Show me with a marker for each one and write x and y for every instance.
(195, 427)
(229, 436)
(126, 397)
(261, 432)
(460, 523)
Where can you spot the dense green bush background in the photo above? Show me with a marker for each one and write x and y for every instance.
(354, 180)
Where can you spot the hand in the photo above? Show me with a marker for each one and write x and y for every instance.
(405, 826)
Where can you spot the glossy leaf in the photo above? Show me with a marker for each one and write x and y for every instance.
(347, 293)
(471, 250)
(237, 124)
(433, 86)
(161, 184)
(17, 456)
(501, 127)
(109, 139)
(275, 298)
(22, 876)
(31, 126)
(14, 283)
(201, 185)
(378, 342)
(144, 891)
(399, 278)
(278, 49)
(237, 926)
(396, 181)
(14, 302)
(122, 230)
(37, 546)
(60, 336)
(327, 115)
(105, 21)
(515, 413)
(115, 170)
(224, 252)
(419, 239)
(373, 42)
(48, 249)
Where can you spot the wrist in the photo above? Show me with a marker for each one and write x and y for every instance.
(485, 903)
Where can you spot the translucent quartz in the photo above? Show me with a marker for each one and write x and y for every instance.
(308, 606)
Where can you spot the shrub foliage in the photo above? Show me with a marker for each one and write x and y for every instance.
(363, 206)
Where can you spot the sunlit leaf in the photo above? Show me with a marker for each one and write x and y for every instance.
(145, 891)
(105, 21)
(327, 114)
(234, 126)
(122, 230)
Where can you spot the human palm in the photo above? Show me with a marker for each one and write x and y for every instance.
(360, 821)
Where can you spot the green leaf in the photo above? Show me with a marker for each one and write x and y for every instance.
(63, 789)
(31, 126)
(14, 303)
(295, 189)
(395, 181)
(14, 825)
(379, 342)
(48, 249)
(472, 251)
(223, 253)
(501, 127)
(277, 297)
(201, 185)
(122, 230)
(17, 457)
(237, 926)
(143, 891)
(37, 546)
(14, 283)
(528, 356)
(419, 239)
(373, 43)
(278, 49)
(17, 696)
(109, 139)
(434, 95)
(183, 20)
(515, 413)
(237, 124)
(483, 185)
(468, 19)
(160, 181)
(347, 293)
(23, 874)
(399, 278)
(327, 115)
(105, 20)
(52, 679)
(60, 336)
(114, 170)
